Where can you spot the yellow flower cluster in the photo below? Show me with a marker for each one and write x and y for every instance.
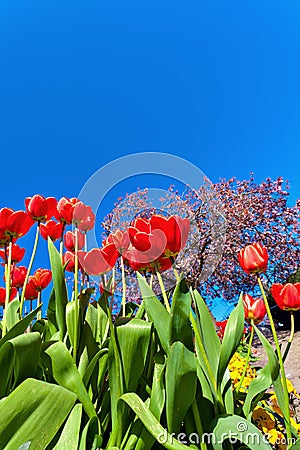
(267, 423)
(236, 366)
(267, 414)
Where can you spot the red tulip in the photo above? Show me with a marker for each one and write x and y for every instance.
(83, 217)
(254, 309)
(287, 296)
(40, 208)
(175, 229)
(17, 254)
(13, 224)
(156, 242)
(65, 209)
(68, 261)
(120, 239)
(221, 328)
(31, 292)
(69, 240)
(253, 258)
(41, 278)
(18, 275)
(13, 293)
(51, 229)
(99, 260)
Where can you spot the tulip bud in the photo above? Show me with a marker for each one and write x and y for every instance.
(254, 309)
(287, 296)
(253, 258)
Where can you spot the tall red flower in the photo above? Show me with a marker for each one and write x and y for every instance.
(68, 260)
(253, 258)
(287, 296)
(99, 260)
(254, 309)
(17, 254)
(18, 275)
(13, 224)
(83, 217)
(13, 293)
(65, 210)
(70, 238)
(156, 242)
(41, 278)
(40, 208)
(31, 292)
(120, 239)
(221, 328)
(37, 282)
(51, 229)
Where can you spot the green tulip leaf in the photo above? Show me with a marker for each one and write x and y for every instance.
(237, 429)
(60, 289)
(151, 423)
(12, 315)
(296, 446)
(69, 437)
(20, 327)
(208, 334)
(66, 374)
(33, 413)
(156, 313)
(257, 388)
(180, 325)
(181, 380)
(19, 359)
(232, 337)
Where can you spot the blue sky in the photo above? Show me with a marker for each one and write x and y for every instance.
(82, 83)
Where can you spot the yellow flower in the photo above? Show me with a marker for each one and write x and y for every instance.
(264, 420)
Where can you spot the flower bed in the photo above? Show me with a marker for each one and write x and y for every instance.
(158, 374)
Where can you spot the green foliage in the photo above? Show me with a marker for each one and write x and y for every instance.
(136, 382)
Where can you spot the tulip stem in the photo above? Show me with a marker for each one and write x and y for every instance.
(163, 291)
(175, 272)
(287, 416)
(7, 286)
(61, 244)
(39, 314)
(291, 336)
(76, 299)
(247, 358)
(123, 288)
(29, 268)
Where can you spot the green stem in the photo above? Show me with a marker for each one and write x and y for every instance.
(163, 291)
(76, 299)
(175, 272)
(123, 288)
(247, 358)
(198, 423)
(151, 281)
(119, 372)
(39, 299)
(29, 268)
(61, 244)
(289, 343)
(7, 286)
(280, 360)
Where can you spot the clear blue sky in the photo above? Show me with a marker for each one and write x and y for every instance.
(82, 83)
